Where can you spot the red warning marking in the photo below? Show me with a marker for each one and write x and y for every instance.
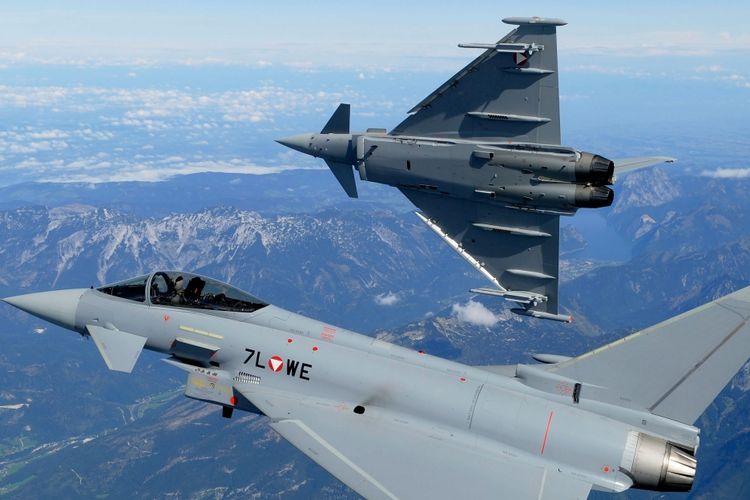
(275, 363)
(328, 333)
(564, 388)
(289, 341)
(546, 432)
(605, 468)
(233, 401)
(462, 379)
(315, 348)
(166, 317)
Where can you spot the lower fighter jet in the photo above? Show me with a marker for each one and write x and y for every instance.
(395, 423)
(481, 158)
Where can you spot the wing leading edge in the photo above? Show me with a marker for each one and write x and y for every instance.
(517, 250)
(509, 92)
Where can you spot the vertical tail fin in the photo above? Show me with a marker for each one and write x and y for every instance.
(676, 368)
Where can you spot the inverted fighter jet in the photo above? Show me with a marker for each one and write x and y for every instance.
(481, 158)
(395, 423)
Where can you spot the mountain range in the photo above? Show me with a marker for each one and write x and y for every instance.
(71, 428)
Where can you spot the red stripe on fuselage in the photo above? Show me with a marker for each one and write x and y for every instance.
(546, 432)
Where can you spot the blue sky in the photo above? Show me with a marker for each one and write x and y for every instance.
(97, 91)
(349, 33)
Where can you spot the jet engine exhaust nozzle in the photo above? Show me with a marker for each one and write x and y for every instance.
(594, 169)
(593, 197)
(658, 465)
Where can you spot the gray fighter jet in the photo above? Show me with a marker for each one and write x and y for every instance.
(481, 158)
(395, 423)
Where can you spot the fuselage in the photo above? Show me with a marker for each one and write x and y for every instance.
(516, 175)
(232, 346)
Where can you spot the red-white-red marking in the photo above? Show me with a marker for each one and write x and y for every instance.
(275, 363)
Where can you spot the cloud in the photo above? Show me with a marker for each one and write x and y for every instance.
(387, 299)
(711, 68)
(475, 313)
(657, 44)
(151, 109)
(36, 146)
(100, 168)
(727, 173)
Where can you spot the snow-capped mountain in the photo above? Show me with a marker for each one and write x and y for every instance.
(327, 263)
(369, 267)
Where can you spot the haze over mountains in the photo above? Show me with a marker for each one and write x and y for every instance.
(369, 266)
(676, 237)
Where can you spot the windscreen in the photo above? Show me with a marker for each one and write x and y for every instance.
(132, 289)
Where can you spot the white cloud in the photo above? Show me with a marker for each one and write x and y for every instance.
(475, 313)
(48, 134)
(36, 146)
(151, 109)
(387, 299)
(656, 44)
(711, 68)
(44, 140)
(727, 173)
(100, 168)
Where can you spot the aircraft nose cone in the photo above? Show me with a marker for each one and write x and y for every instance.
(58, 307)
(301, 142)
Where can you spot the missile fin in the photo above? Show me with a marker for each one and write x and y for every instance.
(338, 123)
(345, 175)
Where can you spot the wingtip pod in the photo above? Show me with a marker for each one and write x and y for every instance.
(550, 21)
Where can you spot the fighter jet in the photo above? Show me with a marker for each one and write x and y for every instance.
(391, 422)
(482, 160)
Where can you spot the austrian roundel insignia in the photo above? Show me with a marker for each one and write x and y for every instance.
(275, 363)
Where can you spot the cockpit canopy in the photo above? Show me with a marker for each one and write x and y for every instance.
(180, 289)
(132, 289)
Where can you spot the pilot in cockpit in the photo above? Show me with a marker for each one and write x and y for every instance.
(179, 291)
(194, 290)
